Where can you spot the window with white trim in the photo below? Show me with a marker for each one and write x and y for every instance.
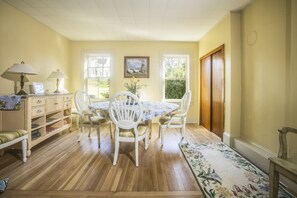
(97, 75)
(175, 75)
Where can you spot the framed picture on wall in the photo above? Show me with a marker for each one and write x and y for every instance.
(137, 66)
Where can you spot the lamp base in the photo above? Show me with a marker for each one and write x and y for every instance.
(57, 91)
(21, 92)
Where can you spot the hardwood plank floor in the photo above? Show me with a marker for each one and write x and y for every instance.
(62, 167)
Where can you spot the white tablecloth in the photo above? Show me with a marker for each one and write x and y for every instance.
(151, 109)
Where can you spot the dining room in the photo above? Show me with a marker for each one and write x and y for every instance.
(157, 50)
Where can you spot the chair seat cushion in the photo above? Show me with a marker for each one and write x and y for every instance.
(130, 133)
(164, 120)
(6, 136)
(95, 119)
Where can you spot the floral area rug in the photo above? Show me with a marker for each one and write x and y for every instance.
(222, 172)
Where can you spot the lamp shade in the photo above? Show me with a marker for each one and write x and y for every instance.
(13, 76)
(22, 69)
(57, 75)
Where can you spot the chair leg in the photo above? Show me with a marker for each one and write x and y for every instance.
(162, 136)
(80, 133)
(24, 149)
(136, 152)
(159, 131)
(146, 141)
(98, 135)
(116, 149)
(110, 130)
(77, 121)
(182, 134)
(273, 181)
(90, 130)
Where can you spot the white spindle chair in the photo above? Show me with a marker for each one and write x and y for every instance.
(126, 111)
(86, 117)
(176, 119)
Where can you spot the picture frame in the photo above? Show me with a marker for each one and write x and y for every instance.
(137, 66)
(37, 88)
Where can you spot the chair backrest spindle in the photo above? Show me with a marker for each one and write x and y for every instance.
(125, 110)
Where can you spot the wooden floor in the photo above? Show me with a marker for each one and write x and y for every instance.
(62, 167)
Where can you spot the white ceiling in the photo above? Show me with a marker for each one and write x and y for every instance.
(160, 20)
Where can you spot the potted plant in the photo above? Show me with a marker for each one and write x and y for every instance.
(134, 86)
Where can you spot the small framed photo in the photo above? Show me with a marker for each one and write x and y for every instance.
(137, 66)
(37, 88)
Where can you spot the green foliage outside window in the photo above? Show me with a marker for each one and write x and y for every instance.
(175, 77)
(175, 89)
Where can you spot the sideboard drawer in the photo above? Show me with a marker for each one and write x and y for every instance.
(54, 104)
(38, 101)
(67, 98)
(67, 105)
(38, 110)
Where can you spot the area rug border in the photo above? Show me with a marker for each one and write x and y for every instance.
(259, 172)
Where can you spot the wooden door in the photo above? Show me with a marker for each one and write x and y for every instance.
(205, 93)
(217, 103)
(212, 87)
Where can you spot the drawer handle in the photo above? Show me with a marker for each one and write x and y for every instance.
(39, 101)
(56, 103)
(38, 111)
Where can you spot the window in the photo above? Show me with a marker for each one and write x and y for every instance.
(175, 74)
(97, 75)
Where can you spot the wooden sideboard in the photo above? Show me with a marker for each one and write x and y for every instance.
(42, 116)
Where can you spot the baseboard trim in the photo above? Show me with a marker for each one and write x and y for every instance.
(253, 152)
(227, 138)
(192, 120)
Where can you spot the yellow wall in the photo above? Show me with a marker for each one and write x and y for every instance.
(292, 107)
(268, 69)
(22, 38)
(154, 50)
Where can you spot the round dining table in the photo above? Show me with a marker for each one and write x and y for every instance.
(151, 109)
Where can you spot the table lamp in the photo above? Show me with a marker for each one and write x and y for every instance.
(58, 75)
(14, 77)
(22, 69)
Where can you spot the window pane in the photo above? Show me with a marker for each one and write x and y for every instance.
(175, 67)
(104, 88)
(175, 89)
(97, 75)
(98, 88)
(93, 87)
